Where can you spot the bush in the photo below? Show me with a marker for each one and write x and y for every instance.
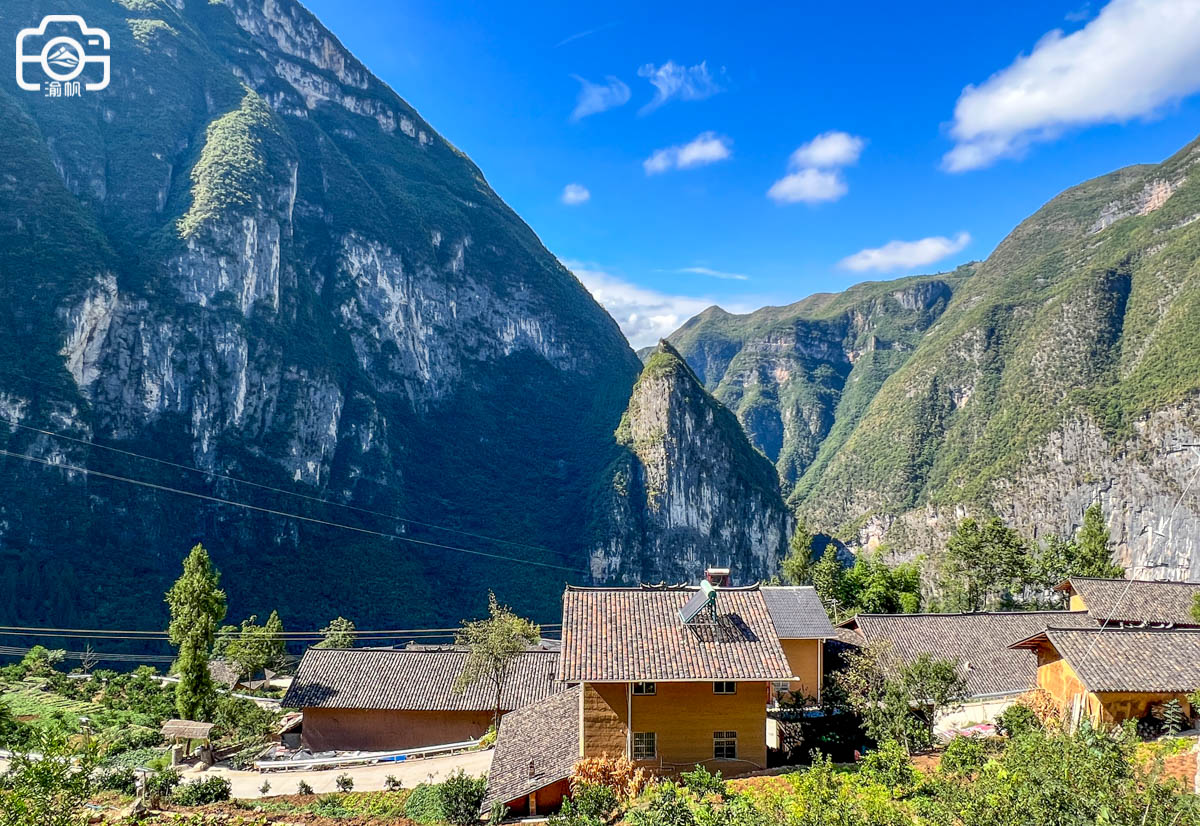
(303, 788)
(703, 782)
(202, 792)
(265, 787)
(121, 780)
(1018, 719)
(964, 756)
(666, 805)
(344, 782)
(393, 783)
(424, 804)
(461, 796)
(619, 774)
(499, 811)
(889, 766)
(162, 783)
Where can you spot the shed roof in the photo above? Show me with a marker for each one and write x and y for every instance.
(979, 642)
(635, 634)
(223, 673)
(186, 730)
(1127, 659)
(1136, 600)
(797, 612)
(403, 680)
(544, 734)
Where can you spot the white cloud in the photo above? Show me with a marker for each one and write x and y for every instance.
(811, 186)
(573, 194)
(644, 315)
(586, 33)
(905, 255)
(674, 82)
(711, 273)
(1134, 58)
(814, 173)
(829, 149)
(598, 97)
(708, 147)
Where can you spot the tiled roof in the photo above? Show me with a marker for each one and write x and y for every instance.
(374, 678)
(186, 730)
(978, 641)
(546, 733)
(223, 673)
(1128, 660)
(797, 612)
(635, 634)
(1123, 600)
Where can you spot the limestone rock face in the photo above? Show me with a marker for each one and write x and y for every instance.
(250, 257)
(690, 491)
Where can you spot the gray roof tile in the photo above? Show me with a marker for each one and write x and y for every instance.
(1129, 660)
(797, 612)
(412, 680)
(1144, 601)
(545, 733)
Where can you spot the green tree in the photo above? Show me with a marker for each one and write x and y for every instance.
(871, 586)
(492, 645)
(1196, 608)
(899, 701)
(197, 608)
(50, 789)
(254, 648)
(339, 633)
(828, 577)
(796, 566)
(985, 566)
(1094, 555)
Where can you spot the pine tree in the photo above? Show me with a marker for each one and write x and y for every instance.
(197, 608)
(828, 577)
(1095, 555)
(797, 565)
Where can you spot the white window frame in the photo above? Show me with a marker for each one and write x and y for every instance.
(722, 742)
(645, 689)
(639, 752)
(719, 687)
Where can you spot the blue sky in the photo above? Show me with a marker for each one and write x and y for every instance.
(691, 146)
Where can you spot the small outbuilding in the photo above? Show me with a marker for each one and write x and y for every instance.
(535, 755)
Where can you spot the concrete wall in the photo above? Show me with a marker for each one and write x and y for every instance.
(334, 729)
(602, 719)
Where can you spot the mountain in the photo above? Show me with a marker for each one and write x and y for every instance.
(1064, 369)
(688, 490)
(248, 255)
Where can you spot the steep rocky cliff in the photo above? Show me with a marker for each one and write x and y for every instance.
(798, 377)
(689, 491)
(248, 255)
(1064, 370)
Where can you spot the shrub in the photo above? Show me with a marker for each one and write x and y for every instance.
(488, 739)
(424, 804)
(1174, 720)
(162, 783)
(666, 805)
(703, 782)
(393, 783)
(121, 780)
(461, 796)
(344, 782)
(330, 805)
(499, 811)
(593, 800)
(964, 756)
(265, 787)
(202, 792)
(619, 774)
(1018, 719)
(303, 788)
(889, 766)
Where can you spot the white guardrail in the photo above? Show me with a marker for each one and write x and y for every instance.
(310, 763)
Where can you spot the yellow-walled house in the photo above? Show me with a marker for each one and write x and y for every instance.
(803, 627)
(1133, 602)
(1112, 674)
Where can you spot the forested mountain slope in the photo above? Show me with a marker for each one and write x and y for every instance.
(1065, 369)
(250, 256)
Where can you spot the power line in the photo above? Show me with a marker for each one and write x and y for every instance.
(285, 514)
(131, 634)
(217, 475)
(81, 655)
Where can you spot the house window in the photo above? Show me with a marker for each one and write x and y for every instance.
(644, 689)
(725, 745)
(725, 687)
(645, 745)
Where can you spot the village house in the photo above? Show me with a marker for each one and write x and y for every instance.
(995, 674)
(1133, 602)
(1114, 674)
(670, 677)
(373, 699)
